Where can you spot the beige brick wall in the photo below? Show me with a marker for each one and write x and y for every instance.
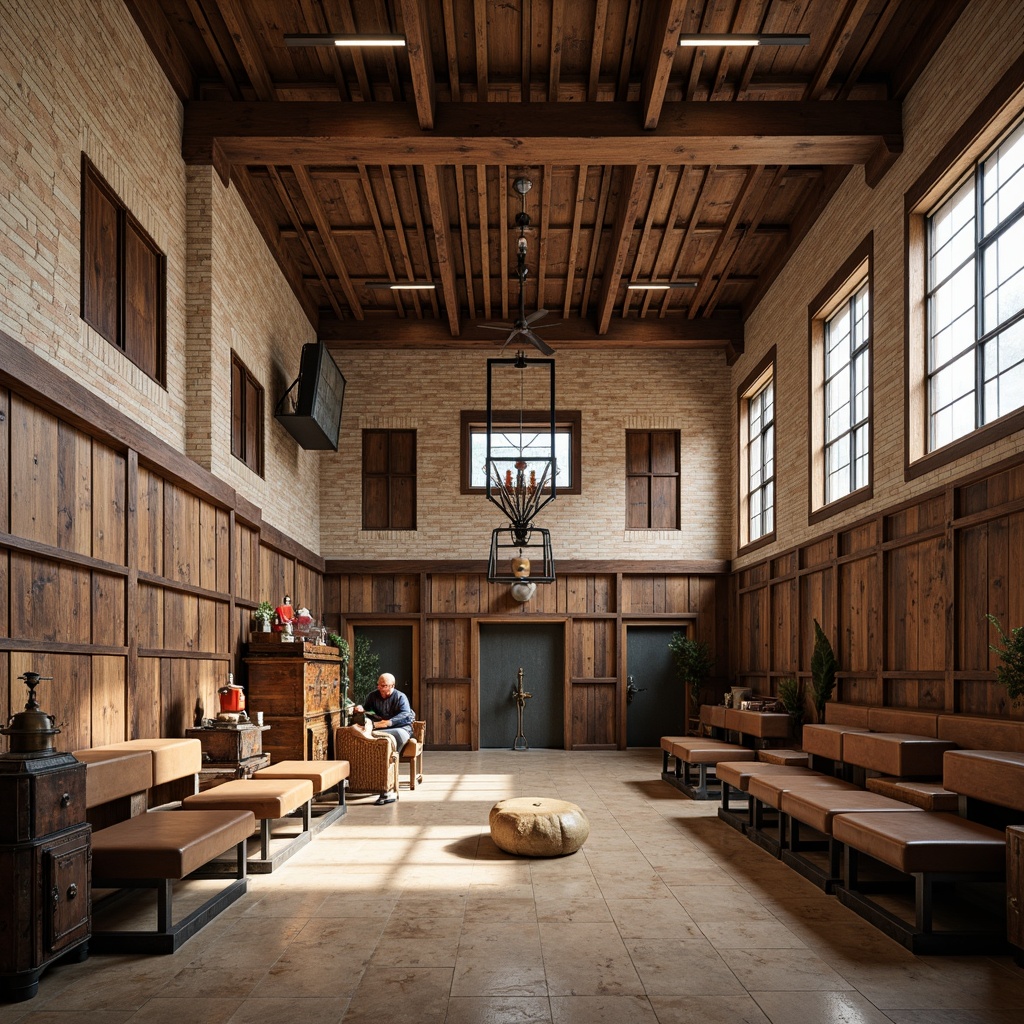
(74, 78)
(78, 77)
(988, 37)
(615, 391)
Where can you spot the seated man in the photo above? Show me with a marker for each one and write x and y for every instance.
(392, 716)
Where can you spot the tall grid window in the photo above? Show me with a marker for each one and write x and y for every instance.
(847, 396)
(761, 461)
(246, 416)
(975, 296)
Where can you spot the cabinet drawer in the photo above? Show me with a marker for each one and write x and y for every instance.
(67, 880)
(35, 805)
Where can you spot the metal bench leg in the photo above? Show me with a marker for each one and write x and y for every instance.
(264, 839)
(923, 900)
(164, 893)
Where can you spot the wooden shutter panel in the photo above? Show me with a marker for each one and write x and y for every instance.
(142, 316)
(100, 262)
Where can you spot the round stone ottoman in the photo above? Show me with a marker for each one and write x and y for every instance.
(534, 826)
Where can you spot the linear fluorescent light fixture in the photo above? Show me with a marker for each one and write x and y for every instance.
(403, 286)
(374, 39)
(739, 39)
(658, 286)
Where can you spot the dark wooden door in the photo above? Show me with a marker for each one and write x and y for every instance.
(658, 707)
(539, 650)
(394, 645)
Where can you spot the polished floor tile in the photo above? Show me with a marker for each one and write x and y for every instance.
(410, 913)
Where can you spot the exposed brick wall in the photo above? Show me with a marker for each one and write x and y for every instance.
(616, 391)
(78, 77)
(984, 42)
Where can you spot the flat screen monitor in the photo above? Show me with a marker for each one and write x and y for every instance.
(315, 421)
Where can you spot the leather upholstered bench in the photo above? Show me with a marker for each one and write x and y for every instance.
(134, 848)
(702, 753)
(931, 848)
(735, 776)
(324, 776)
(269, 800)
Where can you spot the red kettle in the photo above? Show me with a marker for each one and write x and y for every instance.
(232, 696)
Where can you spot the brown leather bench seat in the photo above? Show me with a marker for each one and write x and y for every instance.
(734, 776)
(135, 848)
(795, 758)
(825, 739)
(994, 776)
(703, 753)
(896, 753)
(817, 807)
(323, 775)
(930, 847)
(666, 750)
(269, 800)
(929, 796)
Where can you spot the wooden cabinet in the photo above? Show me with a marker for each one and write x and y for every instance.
(297, 686)
(1015, 890)
(45, 867)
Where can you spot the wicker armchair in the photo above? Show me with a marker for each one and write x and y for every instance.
(412, 753)
(372, 760)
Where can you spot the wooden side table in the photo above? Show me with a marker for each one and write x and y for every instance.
(230, 753)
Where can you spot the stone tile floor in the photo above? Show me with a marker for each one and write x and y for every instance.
(409, 913)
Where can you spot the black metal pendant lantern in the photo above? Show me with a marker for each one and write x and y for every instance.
(522, 472)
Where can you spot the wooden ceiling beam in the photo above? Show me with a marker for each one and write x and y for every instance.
(380, 330)
(421, 64)
(555, 52)
(322, 134)
(663, 50)
(443, 246)
(248, 48)
(634, 186)
(836, 47)
(160, 38)
(323, 225)
(485, 238)
(596, 49)
(480, 40)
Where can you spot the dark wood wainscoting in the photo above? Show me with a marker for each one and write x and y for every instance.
(594, 601)
(903, 596)
(127, 573)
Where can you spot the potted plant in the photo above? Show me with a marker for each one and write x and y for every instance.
(264, 615)
(791, 694)
(367, 670)
(1011, 672)
(823, 671)
(693, 666)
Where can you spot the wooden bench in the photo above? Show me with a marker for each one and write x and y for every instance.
(135, 848)
(929, 796)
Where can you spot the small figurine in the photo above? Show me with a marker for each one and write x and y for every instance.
(283, 616)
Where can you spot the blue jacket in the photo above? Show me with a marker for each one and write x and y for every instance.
(395, 709)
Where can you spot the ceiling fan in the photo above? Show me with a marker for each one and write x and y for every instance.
(521, 327)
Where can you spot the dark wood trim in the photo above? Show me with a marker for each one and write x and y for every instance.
(182, 588)
(1011, 423)
(55, 554)
(710, 567)
(272, 537)
(10, 643)
(851, 500)
(132, 595)
(741, 396)
(160, 652)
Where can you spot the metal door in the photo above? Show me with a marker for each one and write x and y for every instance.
(658, 704)
(539, 650)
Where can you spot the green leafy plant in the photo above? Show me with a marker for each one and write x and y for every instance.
(823, 671)
(1011, 672)
(791, 693)
(367, 669)
(693, 665)
(343, 649)
(264, 612)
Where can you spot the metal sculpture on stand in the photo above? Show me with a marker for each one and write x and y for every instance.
(521, 696)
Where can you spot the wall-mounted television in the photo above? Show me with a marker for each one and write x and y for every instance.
(314, 418)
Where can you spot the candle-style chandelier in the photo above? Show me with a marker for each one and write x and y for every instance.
(521, 479)
(521, 469)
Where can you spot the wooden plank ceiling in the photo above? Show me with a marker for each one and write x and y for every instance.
(649, 161)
